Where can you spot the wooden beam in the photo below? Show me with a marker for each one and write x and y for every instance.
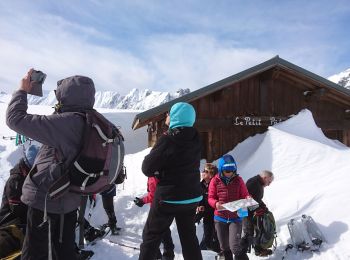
(294, 79)
(333, 124)
(315, 94)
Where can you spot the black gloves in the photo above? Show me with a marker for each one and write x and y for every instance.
(139, 202)
(199, 215)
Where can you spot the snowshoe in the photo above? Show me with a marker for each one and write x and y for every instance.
(305, 234)
(92, 235)
(84, 254)
(315, 234)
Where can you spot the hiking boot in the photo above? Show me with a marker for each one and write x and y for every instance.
(83, 254)
(227, 255)
(263, 252)
(242, 256)
(114, 229)
(112, 223)
(92, 234)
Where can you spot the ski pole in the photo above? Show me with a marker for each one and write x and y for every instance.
(8, 137)
(124, 245)
(289, 246)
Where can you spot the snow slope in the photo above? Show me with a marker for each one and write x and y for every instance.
(311, 177)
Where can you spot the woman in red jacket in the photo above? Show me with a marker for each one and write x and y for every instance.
(225, 187)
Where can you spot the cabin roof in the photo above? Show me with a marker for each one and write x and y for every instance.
(145, 117)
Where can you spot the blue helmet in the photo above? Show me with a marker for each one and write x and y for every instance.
(227, 163)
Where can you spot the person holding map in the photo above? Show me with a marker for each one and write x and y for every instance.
(228, 186)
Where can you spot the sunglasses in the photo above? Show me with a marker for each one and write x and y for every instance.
(224, 171)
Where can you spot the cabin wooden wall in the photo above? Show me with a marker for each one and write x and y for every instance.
(269, 94)
(266, 94)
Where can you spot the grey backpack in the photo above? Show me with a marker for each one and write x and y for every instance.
(99, 162)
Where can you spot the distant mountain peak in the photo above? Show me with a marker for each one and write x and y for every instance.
(135, 100)
(342, 78)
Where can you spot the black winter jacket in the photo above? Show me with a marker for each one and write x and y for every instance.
(11, 206)
(174, 160)
(255, 186)
(208, 213)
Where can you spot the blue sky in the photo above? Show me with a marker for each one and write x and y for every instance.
(166, 45)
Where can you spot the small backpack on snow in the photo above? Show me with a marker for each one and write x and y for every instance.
(99, 161)
(265, 230)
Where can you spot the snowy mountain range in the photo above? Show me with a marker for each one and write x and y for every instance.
(135, 100)
(342, 79)
(141, 99)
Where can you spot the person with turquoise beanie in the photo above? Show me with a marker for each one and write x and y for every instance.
(174, 161)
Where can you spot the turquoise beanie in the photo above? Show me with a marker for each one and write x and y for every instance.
(182, 114)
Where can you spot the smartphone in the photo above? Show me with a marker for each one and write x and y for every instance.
(38, 77)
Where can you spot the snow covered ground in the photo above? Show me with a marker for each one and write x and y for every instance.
(311, 177)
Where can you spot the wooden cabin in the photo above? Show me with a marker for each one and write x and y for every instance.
(242, 105)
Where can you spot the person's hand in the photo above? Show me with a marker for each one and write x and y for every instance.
(138, 202)
(198, 217)
(219, 206)
(27, 85)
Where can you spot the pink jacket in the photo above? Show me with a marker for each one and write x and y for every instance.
(220, 192)
(151, 188)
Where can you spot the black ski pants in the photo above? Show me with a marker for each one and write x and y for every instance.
(167, 241)
(108, 204)
(160, 217)
(36, 242)
(209, 235)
